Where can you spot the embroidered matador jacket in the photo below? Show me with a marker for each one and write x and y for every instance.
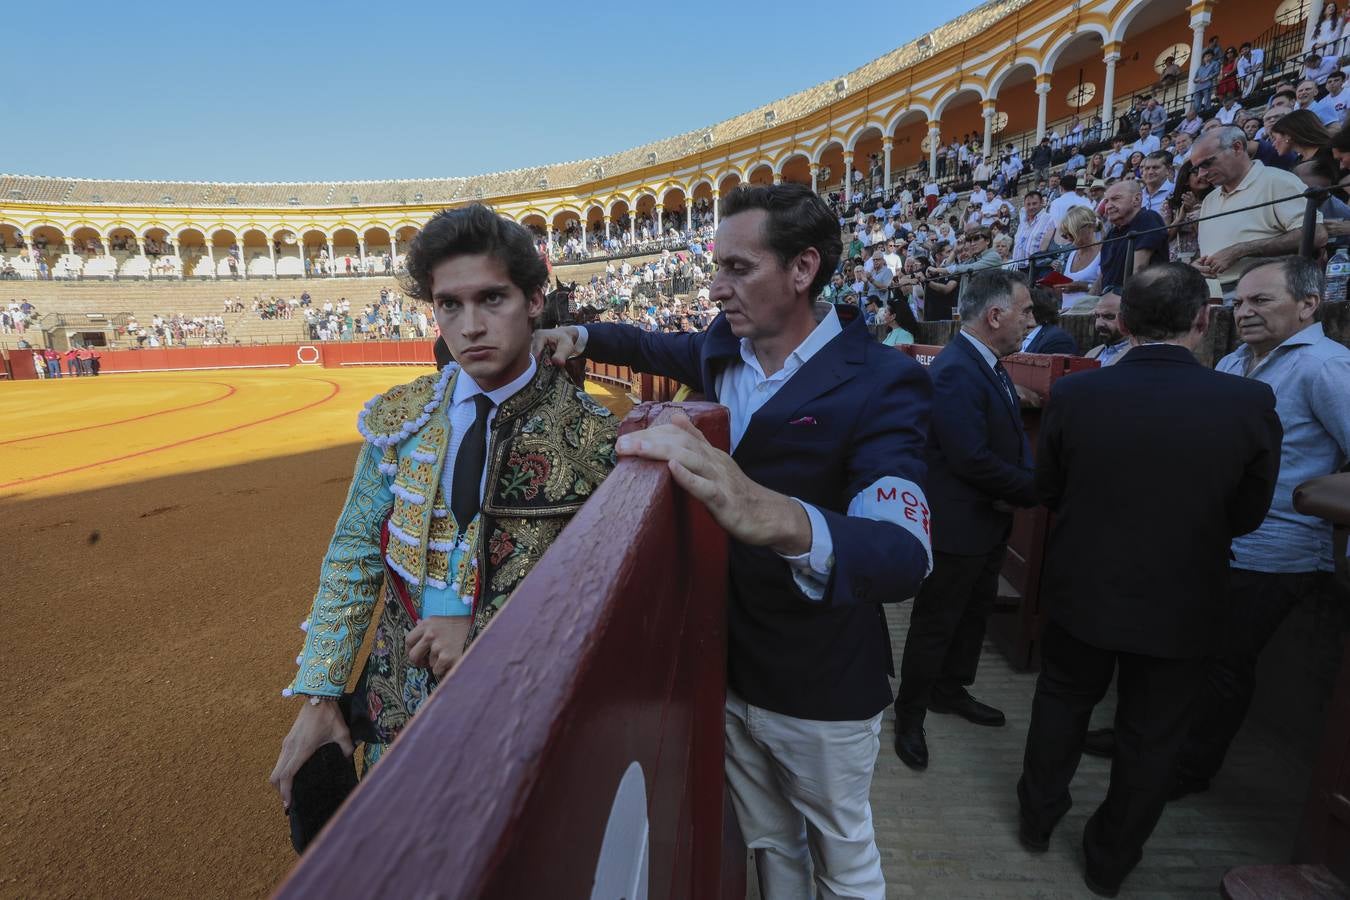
(549, 447)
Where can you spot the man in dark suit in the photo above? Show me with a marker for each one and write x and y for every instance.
(979, 468)
(1151, 613)
(822, 499)
(1047, 336)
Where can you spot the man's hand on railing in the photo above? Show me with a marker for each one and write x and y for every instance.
(555, 346)
(315, 725)
(749, 512)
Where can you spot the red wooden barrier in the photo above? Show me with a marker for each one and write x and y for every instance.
(21, 365)
(378, 353)
(607, 667)
(1016, 625)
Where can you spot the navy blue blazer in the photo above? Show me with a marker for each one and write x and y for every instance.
(978, 453)
(1157, 462)
(855, 413)
(1053, 339)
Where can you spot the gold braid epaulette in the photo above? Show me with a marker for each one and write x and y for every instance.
(390, 418)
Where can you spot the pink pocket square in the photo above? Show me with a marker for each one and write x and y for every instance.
(804, 420)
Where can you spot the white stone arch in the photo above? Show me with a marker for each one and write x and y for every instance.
(903, 114)
(146, 227)
(726, 172)
(782, 159)
(1125, 16)
(1058, 47)
(703, 178)
(562, 208)
(302, 230)
(997, 81)
(852, 142)
(819, 153)
(615, 199)
(959, 91)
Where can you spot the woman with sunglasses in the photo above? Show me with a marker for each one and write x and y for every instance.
(1083, 266)
(1180, 210)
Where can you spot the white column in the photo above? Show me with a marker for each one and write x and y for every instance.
(584, 250)
(717, 195)
(815, 178)
(988, 110)
(272, 253)
(361, 251)
(777, 177)
(211, 257)
(934, 142)
(548, 229)
(107, 244)
(332, 257)
(1198, 24)
(1110, 57)
(886, 145)
(140, 245)
(688, 214)
(848, 175)
(1042, 93)
(1310, 26)
(177, 250)
(660, 220)
(632, 225)
(606, 227)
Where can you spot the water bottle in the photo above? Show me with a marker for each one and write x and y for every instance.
(1338, 274)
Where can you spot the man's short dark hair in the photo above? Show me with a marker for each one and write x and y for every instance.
(1336, 73)
(1030, 192)
(1162, 156)
(797, 219)
(1044, 305)
(1302, 277)
(1068, 181)
(468, 231)
(1161, 302)
(986, 288)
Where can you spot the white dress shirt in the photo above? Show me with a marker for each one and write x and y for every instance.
(462, 413)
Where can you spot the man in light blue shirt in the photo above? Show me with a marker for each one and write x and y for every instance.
(1288, 558)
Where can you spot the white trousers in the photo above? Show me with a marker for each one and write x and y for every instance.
(800, 788)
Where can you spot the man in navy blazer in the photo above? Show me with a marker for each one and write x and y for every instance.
(979, 468)
(1195, 467)
(1047, 336)
(822, 498)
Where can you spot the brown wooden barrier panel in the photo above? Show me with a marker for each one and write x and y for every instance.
(612, 652)
(1016, 625)
(21, 365)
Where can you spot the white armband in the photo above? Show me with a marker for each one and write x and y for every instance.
(900, 502)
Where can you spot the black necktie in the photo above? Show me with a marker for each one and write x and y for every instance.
(468, 474)
(1008, 385)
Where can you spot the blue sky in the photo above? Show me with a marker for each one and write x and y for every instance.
(318, 91)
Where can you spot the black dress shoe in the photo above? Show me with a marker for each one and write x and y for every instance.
(967, 707)
(1031, 837)
(1185, 785)
(1101, 888)
(911, 747)
(1100, 742)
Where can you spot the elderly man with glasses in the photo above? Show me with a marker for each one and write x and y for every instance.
(1232, 244)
